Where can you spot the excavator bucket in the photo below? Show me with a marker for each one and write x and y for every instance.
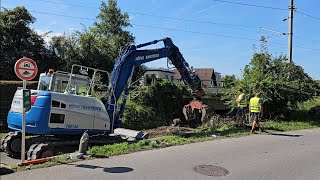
(194, 112)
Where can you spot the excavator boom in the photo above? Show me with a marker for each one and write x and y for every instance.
(132, 57)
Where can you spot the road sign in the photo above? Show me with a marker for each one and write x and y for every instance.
(26, 99)
(26, 69)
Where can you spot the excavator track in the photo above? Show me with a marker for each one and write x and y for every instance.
(46, 146)
(11, 144)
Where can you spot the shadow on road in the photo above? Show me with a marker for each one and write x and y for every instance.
(281, 134)
(118, 170)
(105, 169)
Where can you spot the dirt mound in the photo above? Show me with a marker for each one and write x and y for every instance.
(168, 130)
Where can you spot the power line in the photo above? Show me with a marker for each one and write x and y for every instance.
(251, 5)
(187, 31)
(151, 15)
(235, 26)
(308, 15)
(54, 14)
(68, 4)
(156, 27)
(194, 32)
(224, 1)
(178, 30)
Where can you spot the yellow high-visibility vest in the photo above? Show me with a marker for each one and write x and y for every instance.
(254, 104)
(243, 102)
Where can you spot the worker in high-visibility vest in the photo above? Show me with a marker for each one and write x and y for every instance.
(256, 109)
(241, 103)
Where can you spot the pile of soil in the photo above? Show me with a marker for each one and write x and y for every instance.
(168, 130)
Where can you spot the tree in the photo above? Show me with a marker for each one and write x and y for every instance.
(65, 48)
(97, 46)
(283, 85)
(18, 40)
(110, 27)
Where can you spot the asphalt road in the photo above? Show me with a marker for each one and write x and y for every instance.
(291, 155)
(8, 160)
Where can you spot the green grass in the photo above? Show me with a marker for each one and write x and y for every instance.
(62, 159)
(289, 126)
(302, 111)
(203, 134)
(1, 135)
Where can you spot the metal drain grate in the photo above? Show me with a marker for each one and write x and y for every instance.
(211, 170)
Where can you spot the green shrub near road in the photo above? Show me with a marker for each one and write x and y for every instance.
(283, 85)
(157, 106)
(307, 111)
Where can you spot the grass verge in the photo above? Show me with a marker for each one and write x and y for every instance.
(62, 159)
(201, 135)
(2, 135)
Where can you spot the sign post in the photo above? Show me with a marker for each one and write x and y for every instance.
(25, 69)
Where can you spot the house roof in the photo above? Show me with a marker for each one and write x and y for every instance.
(205, 74)
(159, 69)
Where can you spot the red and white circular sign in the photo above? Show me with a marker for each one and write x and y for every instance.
(26, 69)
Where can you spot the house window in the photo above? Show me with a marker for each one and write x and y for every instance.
(166, 76)
(171, 78)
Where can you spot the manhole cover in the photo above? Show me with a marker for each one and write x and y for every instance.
(211, 170)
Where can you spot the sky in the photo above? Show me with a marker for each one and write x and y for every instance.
(209, 33)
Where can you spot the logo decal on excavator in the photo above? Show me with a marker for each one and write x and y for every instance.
(17, 102)
(88, 108)
(72, 126)
(138, 58)
(152, 56)
(147, 57)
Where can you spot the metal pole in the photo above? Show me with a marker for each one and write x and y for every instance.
(23, 140)
(291, 8)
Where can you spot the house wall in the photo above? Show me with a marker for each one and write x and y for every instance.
(218, 79)
(160, 74)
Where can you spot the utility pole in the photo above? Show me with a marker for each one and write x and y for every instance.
(291, 8)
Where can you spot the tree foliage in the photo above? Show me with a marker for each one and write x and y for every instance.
(159, 105)
(97, 46)
(19, 40)
(283, 85)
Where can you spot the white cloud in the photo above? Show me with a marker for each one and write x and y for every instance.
(47, 36)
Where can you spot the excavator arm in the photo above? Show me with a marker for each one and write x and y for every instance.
(132, 57)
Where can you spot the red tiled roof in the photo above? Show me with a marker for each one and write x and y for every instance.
(205, 74)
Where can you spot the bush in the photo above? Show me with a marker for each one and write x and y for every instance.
(307, 111)
(157, 106)
(139, 117)
(283, 85)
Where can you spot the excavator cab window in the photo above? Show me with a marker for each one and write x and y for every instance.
(83, 80)
(44, 83)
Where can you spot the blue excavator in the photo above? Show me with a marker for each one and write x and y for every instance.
(61, 112)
